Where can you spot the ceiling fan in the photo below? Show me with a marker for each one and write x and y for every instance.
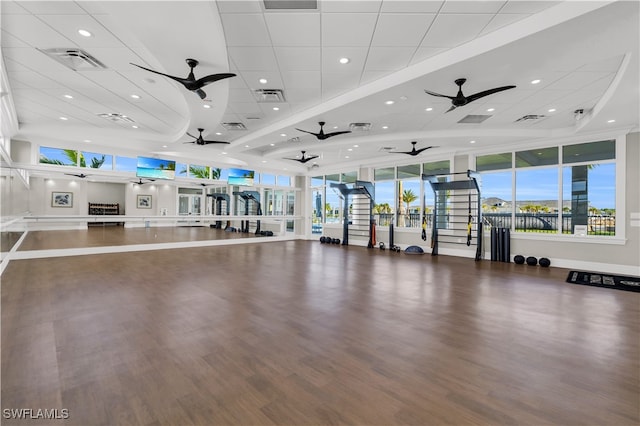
(140, 182)
(322, 135)
(199, 140)
(190, 83)
(304, 158)
(413, 151)
(80, 175)
(461, 100)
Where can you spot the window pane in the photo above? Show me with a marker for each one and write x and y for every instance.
(284, 180)
(199, 172)
(495, 190)
(493, 162)
(537, 200)
(318, 211)
(384, 202)
(334, 200)
(605, 150)
(537, 157)
(384, 174)
(588, 198)
(410, 171)
(126, 164)
(436, 168)
(59, 157)
(408, 203)
(96, 161)
(349, 177)
(181, 170)
(224, 174)
(268, 179)
(215, 172)
(317, 181)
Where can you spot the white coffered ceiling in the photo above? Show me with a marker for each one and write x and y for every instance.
(584, 53)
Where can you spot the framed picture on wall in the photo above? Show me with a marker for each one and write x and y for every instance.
(144, 201)
(62, 199)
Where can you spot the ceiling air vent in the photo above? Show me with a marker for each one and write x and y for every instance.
(387, 149)
(474, 119)
(269, 95)
(76, 59)
(530, 117)
(359, 127)
(290, 4)
(234, 126)
(116, 117)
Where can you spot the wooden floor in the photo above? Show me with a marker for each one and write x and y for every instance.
(300, 333)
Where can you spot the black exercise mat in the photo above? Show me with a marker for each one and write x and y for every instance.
(618, 282)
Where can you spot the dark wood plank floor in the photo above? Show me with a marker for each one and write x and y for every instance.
(299, 333)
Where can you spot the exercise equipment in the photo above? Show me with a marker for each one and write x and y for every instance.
(532, 261)
(219, 201)
(518, 259)
(500, 244)
(397, 249)
(414, 250)
(357, 211)
(544, 262)
(457, 198)
(322, 240)
(424, 218)
(250, 198)
(382, 246)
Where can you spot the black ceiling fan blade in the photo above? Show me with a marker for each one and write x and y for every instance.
(418, 151)
(178, 79)
(189, 134)
(438, 94)
(311, 133)
(479, 95)
(208, 142)
(305, 159)
(450, 109)
(212, 78)
(81, 175)
(328, 135)
(200, 93)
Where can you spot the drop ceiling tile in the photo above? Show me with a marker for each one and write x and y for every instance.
(53, 7)
(411, 6)
(68, 26)
(9, 40)
(294, 29)
(301, 79)
(524, 6)
(241, 95)
(302, 95)
(362, 6)
(371, 75)
(331, 55)
(577, 80)
(340, 80)
(36, 33)
(245, 108)
(12, 8)
(252, 78)
(298, 58)
(32, 80)
(253, 58)
(609, 64)
(234, 6)
(396, 29)
(348, 29)
(244, 29)
(467, 27)
(389, 58)
(502, 20)
(472, 6)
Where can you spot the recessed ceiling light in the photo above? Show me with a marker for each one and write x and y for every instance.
(218, 133)
(276, 109)
(385, 127)
(84, 33)
(87, 140)
(472, 141)
(551, 110)
(389, 102)
(356, 146)
(428, 109)
(134, 126)
(246, 146)
(344, 61)
(350, 149)
(490, 109)
(283, 134)
(206, 106)
(536, 81)
(335, 127)
(272, 144)
(164, 146)
(263, 81)
(63, 118)
(611, 121)
(346, 156)
(68, 96)
(264, 161)
(223, 152)
(134, 96)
